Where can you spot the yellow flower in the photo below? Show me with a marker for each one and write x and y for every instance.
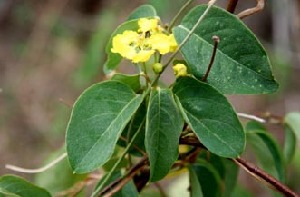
(163, 43)
(140, 45)
(148, 25)
(180, 70)
(132, 46)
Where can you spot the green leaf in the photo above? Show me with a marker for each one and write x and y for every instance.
(99, 116)
(272, 146)
(293, 120)
(195, 187)
(163, 127)
(114, 59)
(227, 170)
(208, 178)
(142, 12)
(137, 124)
(211, 117)
(289, 148)
(111, 162)
(214, 160)
(113, 177)
(17, 186)
(241, 65)
(129, 190)
(231, 176)
(60, 177)
(133, 81)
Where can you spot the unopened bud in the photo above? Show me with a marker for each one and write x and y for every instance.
(180, 70)
(157, 68)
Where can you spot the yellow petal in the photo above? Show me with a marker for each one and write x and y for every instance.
(142, 56)
(173, 43)
(160, 42)
(146, 25)
(125, 44)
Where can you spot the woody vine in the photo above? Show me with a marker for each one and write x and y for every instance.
(187, 125)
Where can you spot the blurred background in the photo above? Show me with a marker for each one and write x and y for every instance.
(51, 50)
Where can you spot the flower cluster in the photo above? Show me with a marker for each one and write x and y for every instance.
(138, 46)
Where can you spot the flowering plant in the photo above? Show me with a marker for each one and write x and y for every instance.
(187, 125)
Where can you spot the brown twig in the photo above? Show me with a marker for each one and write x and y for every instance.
(261, 175)
(119, 183)
(140, 174)
(251, 168)
(231, 5)
(141, 168)
(260, 4)
(216, 40)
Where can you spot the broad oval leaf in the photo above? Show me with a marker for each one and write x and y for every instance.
(241, 65)
(17, 186)
(208, 178)
(99, 116)
(163, 127)
(211, 117)
(142, 12)
(272, 146)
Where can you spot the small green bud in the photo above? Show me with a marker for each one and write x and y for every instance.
(157, 68)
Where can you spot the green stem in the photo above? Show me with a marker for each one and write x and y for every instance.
(210, 4)
(178, 15)
(108, 176)
(144, 69)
